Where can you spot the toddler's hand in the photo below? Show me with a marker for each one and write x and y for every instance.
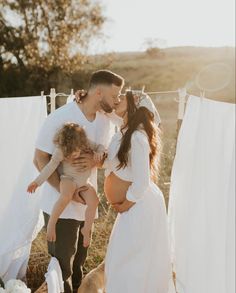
(51, 233)
(98, 157)
(32, 187)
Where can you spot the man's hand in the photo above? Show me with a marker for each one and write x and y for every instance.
(84, 162)
(77, 195)
(124, 206)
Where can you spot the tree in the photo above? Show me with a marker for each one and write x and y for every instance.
(154, 47)
(48, 33)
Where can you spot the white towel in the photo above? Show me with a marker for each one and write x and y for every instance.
(20, 220)
(202, 197)
(70, 99)
(53, 277)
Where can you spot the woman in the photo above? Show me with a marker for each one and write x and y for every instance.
(137, 259)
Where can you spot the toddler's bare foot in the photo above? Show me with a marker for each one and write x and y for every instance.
(87, 236)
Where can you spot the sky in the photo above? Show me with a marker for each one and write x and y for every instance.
(167, 23)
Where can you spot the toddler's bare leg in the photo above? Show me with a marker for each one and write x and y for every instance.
(92, 201)
(67, 189)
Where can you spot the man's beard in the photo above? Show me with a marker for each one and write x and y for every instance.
(106, 107)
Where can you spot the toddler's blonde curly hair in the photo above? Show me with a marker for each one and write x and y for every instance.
(71, 137)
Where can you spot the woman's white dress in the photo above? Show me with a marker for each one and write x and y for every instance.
(138, 258)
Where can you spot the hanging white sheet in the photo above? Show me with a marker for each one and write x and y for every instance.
(202, 199)
(20, 218)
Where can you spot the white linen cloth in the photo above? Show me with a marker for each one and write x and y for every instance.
(202, 197)
(53, 277)
(138, 257)
(20, 218)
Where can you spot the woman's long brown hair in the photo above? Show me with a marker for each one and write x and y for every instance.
(140, 117)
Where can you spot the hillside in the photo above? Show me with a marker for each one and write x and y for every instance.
(174, 68)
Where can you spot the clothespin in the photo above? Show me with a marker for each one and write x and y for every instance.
(53, 99)
(202, 94)
(182, 99)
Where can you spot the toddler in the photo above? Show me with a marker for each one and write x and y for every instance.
(70, 141)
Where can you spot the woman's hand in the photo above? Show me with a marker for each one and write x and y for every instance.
(79, 94)
(124, 206)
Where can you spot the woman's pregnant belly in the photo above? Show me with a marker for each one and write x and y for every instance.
(115, 188)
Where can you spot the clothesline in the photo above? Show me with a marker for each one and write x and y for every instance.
(182, 98)
(179, 91)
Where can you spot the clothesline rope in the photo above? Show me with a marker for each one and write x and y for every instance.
(181, 100)
(52, 92)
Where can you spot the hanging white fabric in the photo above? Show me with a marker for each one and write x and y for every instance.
(54, 278)
(202, 199)
(70, 98)
(20, 218)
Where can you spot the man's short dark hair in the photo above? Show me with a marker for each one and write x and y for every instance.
(105, 77)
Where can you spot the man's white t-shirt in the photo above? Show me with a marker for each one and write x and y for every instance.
(99, 131)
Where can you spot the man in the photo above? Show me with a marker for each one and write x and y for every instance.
(102, 96)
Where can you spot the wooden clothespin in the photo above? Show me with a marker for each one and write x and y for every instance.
(182, 100)
(53, 99)
(202, 94)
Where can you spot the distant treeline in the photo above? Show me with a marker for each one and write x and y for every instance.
(15, 83)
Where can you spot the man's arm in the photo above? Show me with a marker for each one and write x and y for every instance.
(41, 159)
(86, 161)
